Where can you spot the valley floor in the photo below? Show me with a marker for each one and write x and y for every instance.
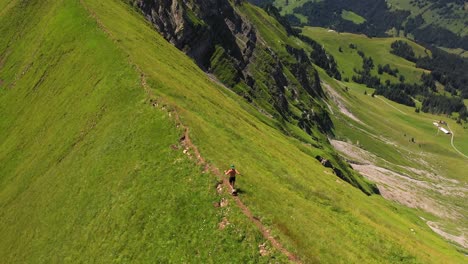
(419, 184)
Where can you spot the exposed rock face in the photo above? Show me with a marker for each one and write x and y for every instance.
(225, 43)
(197, 26)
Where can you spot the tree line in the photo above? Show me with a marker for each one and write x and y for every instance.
(404, 93)
(380, 18)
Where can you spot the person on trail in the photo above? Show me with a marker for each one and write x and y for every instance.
(232, 172)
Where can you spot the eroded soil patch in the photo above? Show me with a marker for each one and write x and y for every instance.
(421, 193)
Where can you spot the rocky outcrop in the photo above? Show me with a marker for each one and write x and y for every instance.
(198, 26)
(225, 43)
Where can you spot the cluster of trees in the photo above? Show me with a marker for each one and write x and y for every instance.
(364, 76)
(428, 81)
(404, 92)
(367, 62)
(439, 104)
(403, 49)
(322, 58)
(448, 69)
(380, 18)
(386, 68)
(396, 93)
(438, 36)
(419, 3)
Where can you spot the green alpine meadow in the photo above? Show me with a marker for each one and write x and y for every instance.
(123, 124)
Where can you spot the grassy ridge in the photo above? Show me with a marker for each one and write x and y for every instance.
(88, 174)
(282, 182)
(117, 192)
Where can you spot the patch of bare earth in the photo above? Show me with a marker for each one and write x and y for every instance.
(223, 224)
(413, 193)
(263, 250)
(461, 239)
(407, 191)
(339, 101)
(355, 153)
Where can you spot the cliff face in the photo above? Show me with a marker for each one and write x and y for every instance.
(224, 42)
(197, 26)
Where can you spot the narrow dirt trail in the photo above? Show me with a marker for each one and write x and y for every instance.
(378, 97)
(187, 142)
(214, 170)
(451, 142)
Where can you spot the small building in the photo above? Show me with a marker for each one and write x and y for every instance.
(444, 130)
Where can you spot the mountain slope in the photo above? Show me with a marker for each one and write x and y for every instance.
(312, 212)
(411, 160)
(280, 182)
(379, 49)
(403, 153)
(88, 172)
(436, 22)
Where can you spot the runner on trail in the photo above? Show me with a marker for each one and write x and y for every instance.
(232, 172)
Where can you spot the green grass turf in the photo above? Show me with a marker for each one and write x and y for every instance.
(389, 122)
(387, 133)
(460, 52)
(88, 173)
(353, 17)
(377, 48)
(288, 8)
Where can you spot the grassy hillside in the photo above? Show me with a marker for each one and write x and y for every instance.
(88, 172)
(397, 138)
(385, 130)
(287, 8)
(353, 17)
(451, 15)
(433, 22)
(377, 48)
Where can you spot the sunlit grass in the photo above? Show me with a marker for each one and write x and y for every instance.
(88, 173)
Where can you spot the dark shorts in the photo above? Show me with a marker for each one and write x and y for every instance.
(232, 179)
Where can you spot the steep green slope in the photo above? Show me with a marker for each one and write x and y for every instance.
(283, 184)
(88, 173)
(124, 168)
